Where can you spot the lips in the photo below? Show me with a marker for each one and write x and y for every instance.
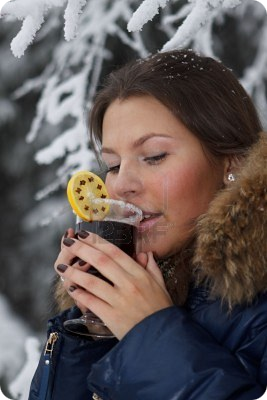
(149, 219)
(147, 215)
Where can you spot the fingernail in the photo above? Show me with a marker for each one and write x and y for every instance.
(83, 234)
(74, 260)
(68, 242)
(72, 288)
(82, 263)
(66, 234)
(62, 267)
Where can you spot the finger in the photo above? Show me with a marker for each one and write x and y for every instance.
(76, 262)
(142, 259)
(91, 283)
(111, 265)
(87, 301)
(96, 242)
(64, 257)
(81, 264)
(69, 233)
(81, 306)
(66, 283)
(153, 269)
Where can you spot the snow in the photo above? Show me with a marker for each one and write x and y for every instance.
(15, 340)
(72, 17)
(145, 12)
(20, 386)
(32, 14)
(201, 13)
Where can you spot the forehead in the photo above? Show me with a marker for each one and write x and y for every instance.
(136, 116)
(143, 121)
(134, 121)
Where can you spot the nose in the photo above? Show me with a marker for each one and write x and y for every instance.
(127, 184)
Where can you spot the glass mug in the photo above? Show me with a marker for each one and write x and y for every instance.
(118, 227)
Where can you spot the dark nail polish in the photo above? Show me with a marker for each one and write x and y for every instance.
(66, 234)
(83, 234)
(74, 260)
(68, 242)
(82, 263)
(72, 288)
(62, 267)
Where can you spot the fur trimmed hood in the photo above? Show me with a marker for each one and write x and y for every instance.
(231, 248)
(231, 244)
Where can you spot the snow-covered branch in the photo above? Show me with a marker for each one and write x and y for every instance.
(32, 13)
(145, 12)
(198, 15)
(67, 93)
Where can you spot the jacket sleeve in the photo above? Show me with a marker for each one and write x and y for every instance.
(170, 356)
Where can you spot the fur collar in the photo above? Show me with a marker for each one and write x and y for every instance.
(231, 241)
(231, 247)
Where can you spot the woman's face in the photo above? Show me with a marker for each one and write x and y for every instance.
(157, 164)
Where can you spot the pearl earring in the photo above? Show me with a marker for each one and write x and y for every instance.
(231, 177)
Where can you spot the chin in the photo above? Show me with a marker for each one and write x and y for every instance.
(159, 248)
(142, 247)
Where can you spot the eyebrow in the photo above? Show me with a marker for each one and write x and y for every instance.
(139, 141)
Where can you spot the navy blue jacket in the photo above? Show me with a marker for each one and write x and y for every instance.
(198, 352)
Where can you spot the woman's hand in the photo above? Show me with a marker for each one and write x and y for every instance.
(66, 257)
(137, 289)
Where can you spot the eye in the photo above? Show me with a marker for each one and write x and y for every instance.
(155, 159)
(113, 170)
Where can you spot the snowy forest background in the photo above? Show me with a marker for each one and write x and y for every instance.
(53, 57)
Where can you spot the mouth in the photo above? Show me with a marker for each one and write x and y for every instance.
(149, 219)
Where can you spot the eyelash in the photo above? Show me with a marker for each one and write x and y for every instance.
(150, 160)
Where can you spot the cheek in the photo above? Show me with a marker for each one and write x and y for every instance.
(190, 188)
(159, 187)
(179, 183)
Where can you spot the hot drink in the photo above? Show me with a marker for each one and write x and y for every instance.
(118, 233)
(113, 220)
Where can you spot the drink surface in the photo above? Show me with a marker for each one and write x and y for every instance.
(118, 233)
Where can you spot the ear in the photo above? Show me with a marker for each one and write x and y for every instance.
(232, 165)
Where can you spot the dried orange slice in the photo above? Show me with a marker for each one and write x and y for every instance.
(83, 188)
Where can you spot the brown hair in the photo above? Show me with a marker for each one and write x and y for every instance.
(200, 91)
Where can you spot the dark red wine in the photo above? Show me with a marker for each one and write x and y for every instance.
(118, 233)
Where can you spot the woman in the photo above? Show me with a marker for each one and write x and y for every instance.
(181, 140)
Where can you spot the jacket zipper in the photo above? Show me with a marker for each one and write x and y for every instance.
(47, 361)
(48, 353)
